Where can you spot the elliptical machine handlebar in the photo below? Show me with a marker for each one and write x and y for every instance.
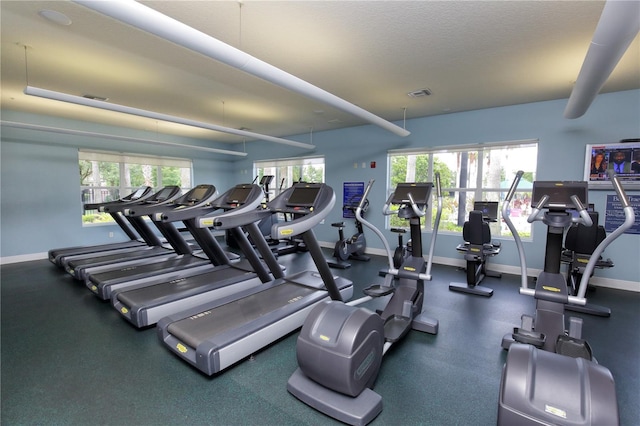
(369, 225)
(629, 219)
(514, 232)
(583, 218)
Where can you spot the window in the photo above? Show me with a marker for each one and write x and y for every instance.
(468, 174)
(288, 171)
(108, 176)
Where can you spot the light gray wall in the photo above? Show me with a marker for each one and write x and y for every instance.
(41, 201)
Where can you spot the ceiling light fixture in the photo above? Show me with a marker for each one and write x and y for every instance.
(154, 22)
(49, 129)
(55, 17)
(79, 100)
(618, 26)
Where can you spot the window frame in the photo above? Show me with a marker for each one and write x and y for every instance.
(290, 163)
(474, 191)
(124, 186)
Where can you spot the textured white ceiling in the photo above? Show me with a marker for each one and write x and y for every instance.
(471, 54)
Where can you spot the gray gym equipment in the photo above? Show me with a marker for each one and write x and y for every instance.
(341, 346)
(478, 248)
(151, 271)
(201, 194)
(216, 335)
(550, 376)
(135, 240)
(144, 303)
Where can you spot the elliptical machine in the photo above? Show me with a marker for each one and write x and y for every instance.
(340, 346)
(550, 376)
(353, 247)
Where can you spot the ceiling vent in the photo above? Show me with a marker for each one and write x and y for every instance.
(419, 93)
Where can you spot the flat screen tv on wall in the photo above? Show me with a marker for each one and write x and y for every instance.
(623, 157)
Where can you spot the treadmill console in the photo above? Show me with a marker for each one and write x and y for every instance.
(421, 193)
(303, 198)
(559, 193)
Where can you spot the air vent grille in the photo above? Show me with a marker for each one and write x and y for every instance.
(419, 93)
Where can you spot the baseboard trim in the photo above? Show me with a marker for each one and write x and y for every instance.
(23, 258)
(514, 270)
(449, 261)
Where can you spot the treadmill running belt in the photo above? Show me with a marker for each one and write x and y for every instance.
(197, 328)
(189, 286)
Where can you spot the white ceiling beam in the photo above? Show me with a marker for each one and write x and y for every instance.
(154, 22)
(618, 26)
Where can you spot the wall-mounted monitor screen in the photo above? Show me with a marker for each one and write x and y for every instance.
(420, 192)
(622, 157)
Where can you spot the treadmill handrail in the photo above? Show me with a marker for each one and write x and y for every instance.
(232, 217)
(175, 203)
(307, 221)
(148, 192)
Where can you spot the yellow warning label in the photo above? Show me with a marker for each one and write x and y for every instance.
(325, 338)
(554, 289)
(181, 348)
(409, 268)
(124, 310)
(206, 222)
(286, 231)
(555, 411)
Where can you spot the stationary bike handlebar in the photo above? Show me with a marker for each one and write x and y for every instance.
(629, 219)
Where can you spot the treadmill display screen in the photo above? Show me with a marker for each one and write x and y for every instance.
(198, 193)
(239, 195)
(164, 194)
(303, 196)
(559, 193)
(489, 209)
(139, 193)
(421, 192)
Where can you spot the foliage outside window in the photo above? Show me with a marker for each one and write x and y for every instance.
(286, 172)
(468, 174)
(108, 176)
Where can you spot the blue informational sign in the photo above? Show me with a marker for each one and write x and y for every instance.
(615, 215)
(351, 195)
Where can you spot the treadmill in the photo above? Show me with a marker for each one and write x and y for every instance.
(201, 194)
(144, 304)
(103, 283)
(55, 255)
(214, 336)
(165, 195)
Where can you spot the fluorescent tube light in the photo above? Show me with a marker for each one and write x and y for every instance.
(618, 26)
(29, 126)
(80, 100)
(154, 22)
